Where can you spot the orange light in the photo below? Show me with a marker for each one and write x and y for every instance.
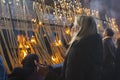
(58, 43)
(40, 23)
(25, 54)
(20, 45)
(27, 46)
(67, 31)
(54, 59)
(33, 40)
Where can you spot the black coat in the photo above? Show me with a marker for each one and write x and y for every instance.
(109, 51)
(118, 63)
(84, 59)
(118, 56)
(109, 59)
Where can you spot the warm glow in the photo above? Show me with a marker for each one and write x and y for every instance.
(19, 37)
(98, 25)
(25, 54)
(114, 25)
(23, 46)
(20, 45)
(79, 11)
(40, 23)
(33, 40)
(54, 59)
(33, 20)
(60, 17)
(44, 35)
(58, 43)
(70, 19)
(27, 46)
(67, 31)
(97, 13)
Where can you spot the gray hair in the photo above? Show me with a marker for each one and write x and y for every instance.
(87, 26)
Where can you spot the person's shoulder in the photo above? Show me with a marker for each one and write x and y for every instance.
(107, 39)
(97, 35)
(75, 43)
(92, 37)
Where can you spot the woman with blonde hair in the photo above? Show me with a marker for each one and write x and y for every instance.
(84, 56)
(82, 27)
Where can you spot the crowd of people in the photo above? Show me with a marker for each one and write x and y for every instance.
(90, 56)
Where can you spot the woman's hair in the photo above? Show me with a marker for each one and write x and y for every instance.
(87, 26)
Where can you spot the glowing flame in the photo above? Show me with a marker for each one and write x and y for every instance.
(54, 59)
(58, 43)
(67, 31)
(25, 54)
(40, 23)
(33, 40)
(20, 45)
(27, 46)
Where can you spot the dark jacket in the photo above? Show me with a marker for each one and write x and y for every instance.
(3, 74)
(84, 59)
(109, 51)
(28, 71)
(118, 55)
(118, 63)
(109, 59)
(24, 74)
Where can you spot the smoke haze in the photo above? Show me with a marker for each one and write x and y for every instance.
(108, 7)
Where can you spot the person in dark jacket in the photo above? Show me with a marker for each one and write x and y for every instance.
(118, 60)
(29, 71)
(118, 51)
(109, 54)
(3, 74)
(84, 56)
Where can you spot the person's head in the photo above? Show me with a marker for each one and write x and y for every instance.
(118, 42)
(109, 32)
(87, 26)
(29, 60)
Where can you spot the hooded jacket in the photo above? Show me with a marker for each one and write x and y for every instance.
(84, 59)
